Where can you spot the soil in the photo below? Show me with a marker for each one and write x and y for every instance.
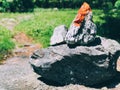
(22, 38)
(26, 47)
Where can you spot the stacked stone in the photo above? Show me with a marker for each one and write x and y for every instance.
(84, 34)
(82, 31)
(93, 64)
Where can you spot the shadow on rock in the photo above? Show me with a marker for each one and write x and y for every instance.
(96, 42)
(93, 66)
(112, 83)
(49, 82)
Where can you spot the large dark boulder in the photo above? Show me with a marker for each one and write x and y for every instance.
(87, 65)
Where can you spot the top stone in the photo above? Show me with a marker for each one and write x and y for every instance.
(82, 30)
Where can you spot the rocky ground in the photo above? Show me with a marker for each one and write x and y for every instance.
(17, 74)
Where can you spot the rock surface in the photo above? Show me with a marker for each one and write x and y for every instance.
(16, 74)
(87, 65)
(82, 30)
(58, 35)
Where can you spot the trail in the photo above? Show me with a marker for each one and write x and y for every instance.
(16, 74)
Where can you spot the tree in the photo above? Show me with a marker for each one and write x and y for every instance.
(22, 5)
(5, 6)
(117, 4)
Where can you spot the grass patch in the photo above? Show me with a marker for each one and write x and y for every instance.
(6, 43)
(40, 27)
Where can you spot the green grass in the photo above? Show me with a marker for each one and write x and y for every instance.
(40, 27)
(6, 43)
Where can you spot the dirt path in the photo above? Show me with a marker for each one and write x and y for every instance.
(16, 74)
(10, 23)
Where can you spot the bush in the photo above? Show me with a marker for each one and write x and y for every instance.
(16, 5)
(108, 23)
(22, 6)
(6, 44)
(5, 6)
(117, 4)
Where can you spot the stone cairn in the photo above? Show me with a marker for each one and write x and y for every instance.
(93, 60)
(82, 30)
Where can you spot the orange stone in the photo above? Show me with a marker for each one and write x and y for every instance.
(82, 12)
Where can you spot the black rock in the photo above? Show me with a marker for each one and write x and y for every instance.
(86, 65)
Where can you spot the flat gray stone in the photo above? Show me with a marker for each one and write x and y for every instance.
(58, 35)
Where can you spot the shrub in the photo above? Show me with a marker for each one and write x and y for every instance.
(22, 5)
(5, 6)
(117, 4)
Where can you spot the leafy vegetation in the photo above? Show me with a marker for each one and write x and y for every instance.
(16, 5)
(28, 5)
(117, 4)
(108, 23)
(6, 44)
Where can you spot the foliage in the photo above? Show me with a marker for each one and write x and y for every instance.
(22, 5)
(117, 4)
(108, 23)
(112, 24)
(17, 5)
(28, 5)
(98, 18)
(74, 3)
(5, 6)
(6, 44)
